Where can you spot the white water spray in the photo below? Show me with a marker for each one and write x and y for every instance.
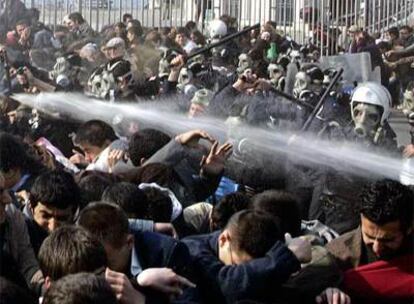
(307, 150)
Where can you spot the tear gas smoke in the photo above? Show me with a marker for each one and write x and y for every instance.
(301, 148)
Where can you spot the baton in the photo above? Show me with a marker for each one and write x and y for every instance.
(221, 42)
(319, 105)
(293, 99)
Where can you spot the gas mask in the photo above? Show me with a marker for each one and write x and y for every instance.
(295, 56)
(245, 62)
(64, 67)
(367, 119)
(302, 83)
(102, 82)
(167, 55)
(185, 77)
(276, 72)
(304, 86)
(61, 67)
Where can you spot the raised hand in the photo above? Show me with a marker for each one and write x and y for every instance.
(191, 138)
(213, 164)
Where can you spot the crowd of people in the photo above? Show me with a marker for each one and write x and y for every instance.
(94, 213)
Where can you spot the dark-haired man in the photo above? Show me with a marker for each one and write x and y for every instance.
(71, 250)
(379, 253)
(80, 288)
(54, 199)
(21, 39)
(247, 260)
(79, 27)
(145, 143)
(99, 144)
(154, 261)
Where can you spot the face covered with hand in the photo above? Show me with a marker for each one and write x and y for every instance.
(367, 118)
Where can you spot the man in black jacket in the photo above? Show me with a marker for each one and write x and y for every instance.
(247, 260)
(131, 254)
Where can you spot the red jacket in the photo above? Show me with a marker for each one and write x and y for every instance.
(390, 281)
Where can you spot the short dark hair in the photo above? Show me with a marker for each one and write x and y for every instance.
(10, 293)
(125, 17)
(228, 205)
(409, 29)
(254, 232)
(95, 133)
(191, 26)
(120, 25)
(183, 31)
(71, 249)
(80, 288)
(129, 197)
(159, 207)
(144, 144)
(76, 17)
(137, 31)
(386, 201)
(13, 155)
(384, 45)
(135, 22)
(281, 204)
(92, 186)
(55, 189)
(22, 22)
(393, 31)
(199, 38)
(107, 221)
(162, 175)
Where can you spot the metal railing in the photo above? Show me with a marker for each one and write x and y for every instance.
(323, 20)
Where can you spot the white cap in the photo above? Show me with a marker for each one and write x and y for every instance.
(115, 42)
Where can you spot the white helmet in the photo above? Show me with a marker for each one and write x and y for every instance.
(375, 94)
(218, 29)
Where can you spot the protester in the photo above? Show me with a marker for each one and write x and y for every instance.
(384, 234)
(53, 201)
(229, 176)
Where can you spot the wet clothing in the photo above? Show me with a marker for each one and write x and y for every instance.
(260, 278)
(153, 250)
(185, 162)
(389, 281)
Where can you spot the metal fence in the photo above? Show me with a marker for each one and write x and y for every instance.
(322, 20)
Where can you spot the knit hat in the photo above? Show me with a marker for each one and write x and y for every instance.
(202, 97)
